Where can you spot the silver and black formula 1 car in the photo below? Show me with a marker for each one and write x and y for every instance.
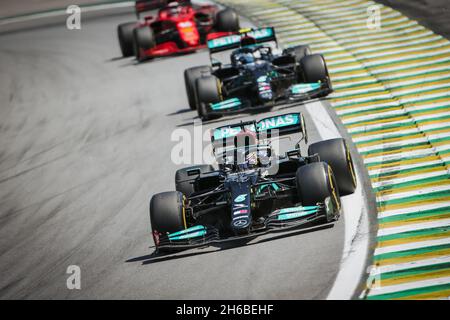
(254, 190)
(258, 75)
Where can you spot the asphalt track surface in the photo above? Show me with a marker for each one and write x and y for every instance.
(13, 8)
(85, 140)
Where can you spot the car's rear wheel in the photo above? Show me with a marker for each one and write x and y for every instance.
(125, 35)
(208, 91)
(298, 52)
(190, 75)
(336, 153)
(144, 39)
(167, 214)
(227, 20)
(184, 182)
(315, 183)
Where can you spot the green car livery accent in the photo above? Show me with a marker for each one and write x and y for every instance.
(276, 122)
(296, 212)
(257, 34)
(281, 121)
(193, 232)
(228, 132)
(304, 88)
(264, 186)
(227, 104)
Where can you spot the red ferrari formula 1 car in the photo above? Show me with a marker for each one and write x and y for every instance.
(177, 28)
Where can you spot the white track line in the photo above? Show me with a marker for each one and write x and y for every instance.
(356, 219)
(401, 143)
(62, 12)
(407, 286)
(409, 265)
(404, 167)
(409, 178)
(419, 192)
(342, 112)
(416, 209)
(414, 227)
(411, 246)
(386, 135)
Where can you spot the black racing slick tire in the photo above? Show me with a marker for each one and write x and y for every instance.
(316, 182)
(335, 152)
(227, 20)
(184, 182)
(208, 91)
(298, 52)
(167, 214)
(125, 35)
(144, 39)
(190, 76)
(314, 68)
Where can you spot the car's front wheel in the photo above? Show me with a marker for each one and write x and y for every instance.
(336, 153)
(125, 35)
(190, 76)
(144, 39)
(314, 69)
(167, 214)
(208, 91)
(316, 182)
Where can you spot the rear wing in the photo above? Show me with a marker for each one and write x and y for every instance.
(148, 5)
(266, 128)
(261, 35)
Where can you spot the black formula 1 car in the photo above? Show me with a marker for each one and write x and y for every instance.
(258, 75)
(254, 190)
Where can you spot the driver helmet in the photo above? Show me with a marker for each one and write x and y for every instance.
(173, 7)
(248, 159)
(246, 58)
(247, 41)
(245, 138)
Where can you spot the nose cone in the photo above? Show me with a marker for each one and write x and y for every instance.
(241, 207)
(240, 224)
(189, 33)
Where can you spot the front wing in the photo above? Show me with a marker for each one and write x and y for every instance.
(279, 220)
(169, 48)
(307, 91)
(294, 94)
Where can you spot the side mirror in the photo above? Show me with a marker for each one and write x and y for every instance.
(216, 63)
(293, 153)
(193, 172)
